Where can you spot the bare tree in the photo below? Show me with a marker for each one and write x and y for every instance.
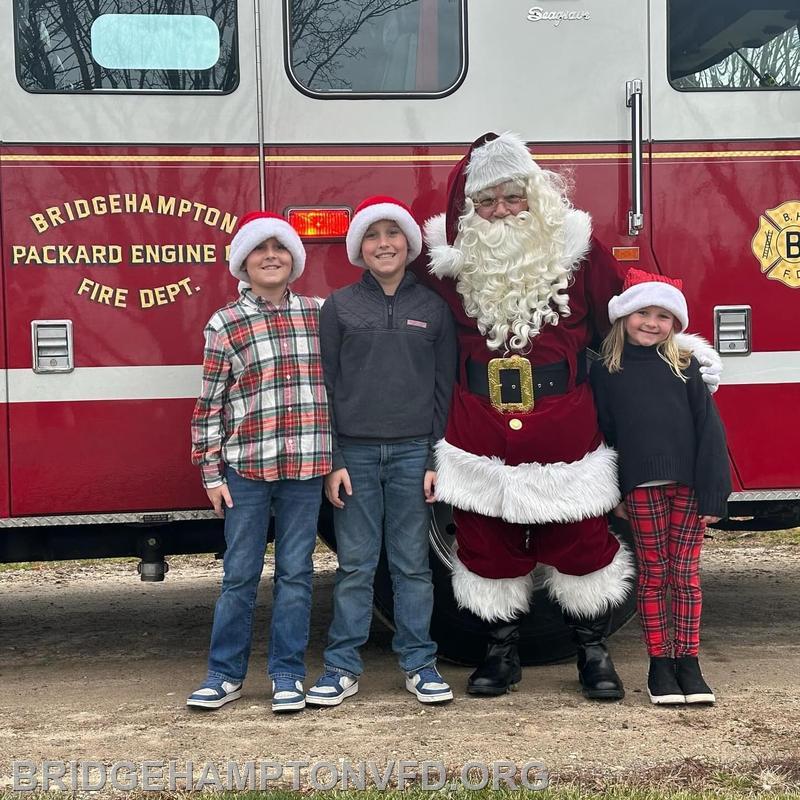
(321, 33)
(54, 46)
(776, 63)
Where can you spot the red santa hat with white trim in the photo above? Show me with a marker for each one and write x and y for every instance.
(374, 209)
(257, 227)
(642, 289)
(491, 161)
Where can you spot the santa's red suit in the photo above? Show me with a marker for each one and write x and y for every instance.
(535, 486)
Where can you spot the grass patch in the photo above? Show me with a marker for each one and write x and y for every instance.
(691, 779)
(564, 793)
(697, 778)
(44, 566)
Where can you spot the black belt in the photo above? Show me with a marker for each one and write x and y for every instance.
(548, 379)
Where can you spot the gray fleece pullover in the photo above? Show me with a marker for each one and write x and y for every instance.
(389, 364)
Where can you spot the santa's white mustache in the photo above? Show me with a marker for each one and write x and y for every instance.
(511, 281)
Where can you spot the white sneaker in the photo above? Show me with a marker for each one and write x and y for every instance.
(287, 695)
(331, 689)
(429, 686)
(214, 695)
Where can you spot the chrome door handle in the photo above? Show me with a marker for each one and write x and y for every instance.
(51, 341)
(633, 91)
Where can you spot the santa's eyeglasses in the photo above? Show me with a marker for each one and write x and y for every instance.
(509, 201)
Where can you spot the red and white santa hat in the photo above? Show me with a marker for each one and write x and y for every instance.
(490, 161)
(257, 227)
(642, 289)
(377, 208)
(494, 160)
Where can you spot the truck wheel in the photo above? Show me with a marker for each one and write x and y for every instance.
(544, 638)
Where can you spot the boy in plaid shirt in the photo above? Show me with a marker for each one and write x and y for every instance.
(261, 437)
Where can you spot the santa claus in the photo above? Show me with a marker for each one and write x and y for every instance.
(523, 462)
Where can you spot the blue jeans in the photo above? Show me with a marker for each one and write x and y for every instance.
(387, 504)
(296, 505)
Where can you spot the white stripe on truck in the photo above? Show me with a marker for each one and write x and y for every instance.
(184, 380)
(105, 383)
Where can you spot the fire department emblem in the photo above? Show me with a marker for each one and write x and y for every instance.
(776, 244)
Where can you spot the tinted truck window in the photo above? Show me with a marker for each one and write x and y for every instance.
(375, 47)
(126, 45)
(734, 44)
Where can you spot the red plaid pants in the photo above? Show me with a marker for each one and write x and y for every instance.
(668, 537)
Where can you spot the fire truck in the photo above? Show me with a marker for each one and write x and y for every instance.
(134, 134)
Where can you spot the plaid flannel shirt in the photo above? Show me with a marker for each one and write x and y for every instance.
(262, 409)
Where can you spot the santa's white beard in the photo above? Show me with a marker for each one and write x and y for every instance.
(512, 280)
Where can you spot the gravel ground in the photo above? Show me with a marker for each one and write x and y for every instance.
(96, 666)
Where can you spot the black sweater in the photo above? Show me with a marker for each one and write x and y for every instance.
(389, 363)
(663, 429)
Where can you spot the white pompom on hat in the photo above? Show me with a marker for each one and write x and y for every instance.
(257, 227)
(642, 289)
(374, 209)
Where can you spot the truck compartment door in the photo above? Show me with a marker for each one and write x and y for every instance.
(726, 208)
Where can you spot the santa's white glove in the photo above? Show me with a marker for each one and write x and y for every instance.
(711, 374)
(706, 355)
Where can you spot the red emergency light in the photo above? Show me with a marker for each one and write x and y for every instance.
(320, 223)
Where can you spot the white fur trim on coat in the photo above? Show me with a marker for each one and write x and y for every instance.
(593, 594)
(529, 493)
(577, 239)
(492, 599)
(446, 261)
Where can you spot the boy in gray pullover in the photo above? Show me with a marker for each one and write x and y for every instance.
(389, 361)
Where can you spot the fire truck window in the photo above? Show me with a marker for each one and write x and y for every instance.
(375, 47)
(126, 45)
(734, 44)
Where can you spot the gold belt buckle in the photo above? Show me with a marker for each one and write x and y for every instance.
(518, 386)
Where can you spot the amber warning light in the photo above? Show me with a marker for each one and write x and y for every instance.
(320, 223)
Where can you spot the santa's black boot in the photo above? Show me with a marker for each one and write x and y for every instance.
(599, 679)
(500, 671)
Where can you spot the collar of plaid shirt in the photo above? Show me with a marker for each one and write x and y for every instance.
(261, 302)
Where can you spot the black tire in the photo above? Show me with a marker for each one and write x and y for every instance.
(544, 638)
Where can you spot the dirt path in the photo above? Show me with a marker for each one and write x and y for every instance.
(96, 665)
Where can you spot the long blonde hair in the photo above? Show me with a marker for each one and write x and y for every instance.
(668, 350)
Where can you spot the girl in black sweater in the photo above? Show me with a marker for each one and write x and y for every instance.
(673, 470)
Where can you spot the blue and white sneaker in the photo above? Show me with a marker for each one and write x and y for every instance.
(331, 689)
(214, 694)
(429, 686)
(287, 695)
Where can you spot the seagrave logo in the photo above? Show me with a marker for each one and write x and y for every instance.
(776, 244)
(538, 14)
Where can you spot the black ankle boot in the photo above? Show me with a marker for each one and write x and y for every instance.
(691, 681)
(599, 679)
(500, 671)
(662, 685)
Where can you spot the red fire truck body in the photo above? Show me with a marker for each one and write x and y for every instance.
(117, 203)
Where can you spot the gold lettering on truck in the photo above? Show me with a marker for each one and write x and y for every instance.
(98, 209)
